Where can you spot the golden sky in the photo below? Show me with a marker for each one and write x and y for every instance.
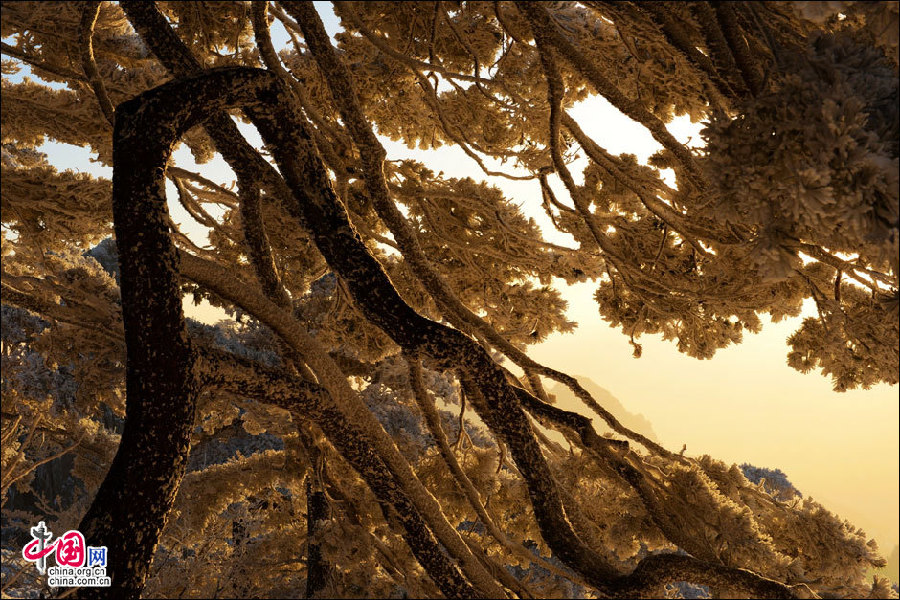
(747, 405)
(743, 405)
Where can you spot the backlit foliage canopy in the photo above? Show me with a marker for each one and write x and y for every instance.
(369, 423)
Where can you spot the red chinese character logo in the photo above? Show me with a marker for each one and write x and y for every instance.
(32, 551)
(70, 549)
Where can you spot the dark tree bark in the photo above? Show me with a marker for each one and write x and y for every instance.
(731, 29)
(317, 513)
(251, 172)
(307, 402)
(130, 509)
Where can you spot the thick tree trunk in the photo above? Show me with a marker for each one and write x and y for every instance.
(130, 509)
(161, 381)
(317, 513)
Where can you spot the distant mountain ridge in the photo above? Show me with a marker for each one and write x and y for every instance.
(638, 423)
(633, 421)
(892, 570)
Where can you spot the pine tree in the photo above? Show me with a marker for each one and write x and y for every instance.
(319, 442)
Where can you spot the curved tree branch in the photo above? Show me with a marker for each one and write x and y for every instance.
(433, 423)
(680, 39)
(543, 27)
(89, 15)
(720, 52)
(373, 154)
(311, 402)
(225, 285)
(160, 382)
(269, 57)
(737, 43)
(555, 96)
